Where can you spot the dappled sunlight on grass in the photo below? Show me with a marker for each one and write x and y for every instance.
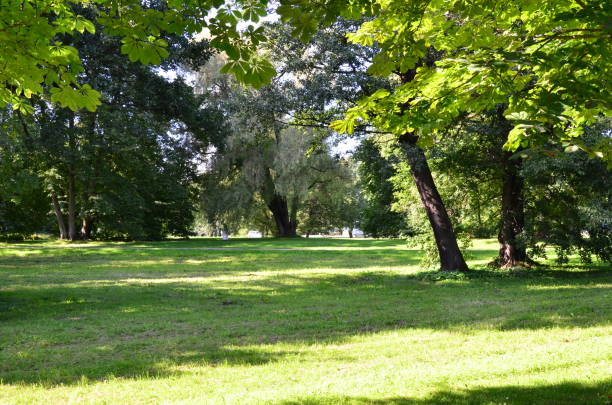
(359, 326)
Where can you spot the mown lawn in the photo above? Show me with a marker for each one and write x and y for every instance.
(345, 322)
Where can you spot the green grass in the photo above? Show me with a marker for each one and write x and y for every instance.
(342, 322)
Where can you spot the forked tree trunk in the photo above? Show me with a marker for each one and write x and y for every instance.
(511, 252)
(59, 216)
(286, 228)
(451, 258)
(286, 223)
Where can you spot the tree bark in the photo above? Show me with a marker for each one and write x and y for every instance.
(286, 223)
(511, 252)
(350, 232)
(59, 216)
(72, 232)
(451, 258)
(286, 228)
(86, 228)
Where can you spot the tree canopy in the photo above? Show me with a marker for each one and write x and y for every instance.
(547, 59)
(36, 57)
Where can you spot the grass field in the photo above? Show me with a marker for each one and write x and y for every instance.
(342, 322)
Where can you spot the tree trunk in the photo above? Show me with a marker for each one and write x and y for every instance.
(286, 224)
(285, 227)
(350, 232)
(72, 232)
(59, 216)
(511, 252)
(451, 258)
(86, 228)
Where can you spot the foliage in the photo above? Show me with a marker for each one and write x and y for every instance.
(375, 173)
(567, 194)
(128, 167)
(277, 144)
(38, 56)
(548, 59)
(23, 201)
(570, 202)
(334, 202)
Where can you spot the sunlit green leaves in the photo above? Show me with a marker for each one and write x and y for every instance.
(33, 56)
(75, 98)
(256, 71)
(547, 60)
(149, 51)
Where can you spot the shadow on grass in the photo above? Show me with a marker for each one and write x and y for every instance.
(60, 334)
(568, 393)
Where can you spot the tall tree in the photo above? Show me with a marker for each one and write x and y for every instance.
(472, 153)
(521, 57)
(128, 167)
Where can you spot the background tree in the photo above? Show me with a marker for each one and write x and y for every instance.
(334, 201)
(129, 167)
(568, 202)
(316, 82)
(23, 201)
(375, 174)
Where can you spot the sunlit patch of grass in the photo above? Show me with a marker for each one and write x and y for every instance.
(353, 322)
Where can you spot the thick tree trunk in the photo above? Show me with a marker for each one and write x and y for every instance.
(350, 232)
(59, 216)
(72, 232)
(286, 228)
(451, 258)
(511, 252)
(286, 223)
(86, 228)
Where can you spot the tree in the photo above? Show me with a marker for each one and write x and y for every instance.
(23, 201)
(472, 152)
(333, 202)
(449, 253)
(375, 173)
(319, 80)
(569, 201)
(522, 56)
(562, 197)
